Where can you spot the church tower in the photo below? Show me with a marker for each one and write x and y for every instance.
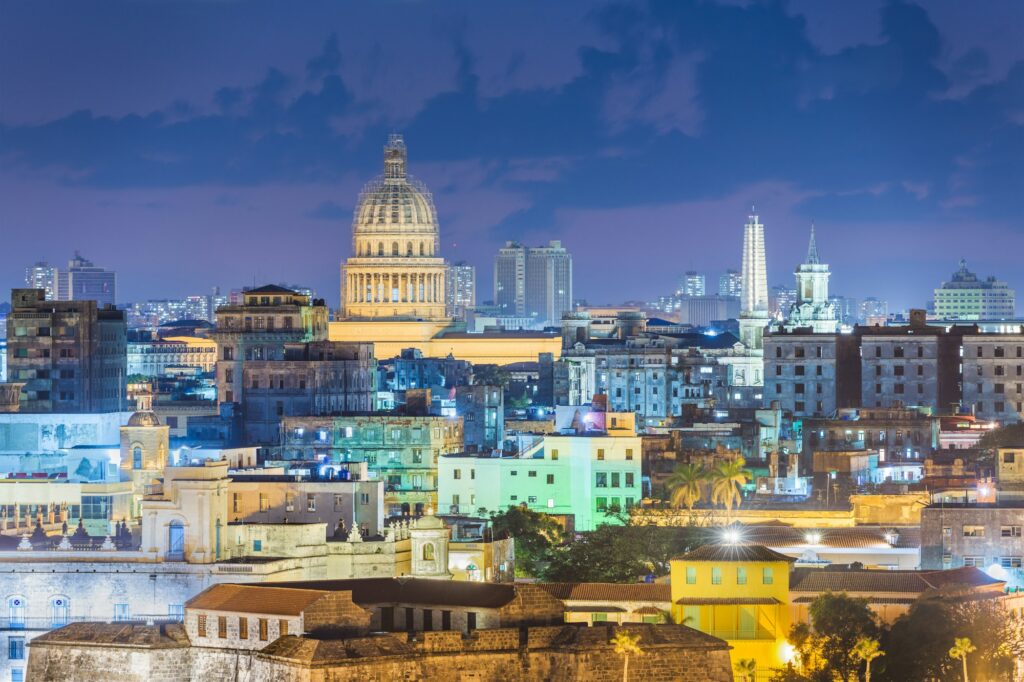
(144, 448)
(428, 536)
(812, 307)
(396, 271)
(754, 291)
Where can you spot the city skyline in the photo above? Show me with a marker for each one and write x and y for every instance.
(527, 145)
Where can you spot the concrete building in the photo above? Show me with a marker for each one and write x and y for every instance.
(171, 354)
(693, 284)
(873, 311)
(411, 370)
(813, 309)
(965, 297)
(83, 281)
(754, 299)
(43, 276)
(702, 311)
(395, 270)
(577, 477)
(993, 376)
(154, 313)
(730, 283)
(894, 433)
(811, 374)
(257, 330)
(482, 409)
(70, 355)
(987, 536)
(460, 290)
(402, 450)
(311, 379)
(534, 282)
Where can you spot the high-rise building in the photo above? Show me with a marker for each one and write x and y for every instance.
(43, 276)
(84, 281)
(754, 298)
(533, 282)
(396, 270)
(965, 297)
(730, 283)
(693, 284)
(873, 311)
(460, 290)
(70, 355)
(812, 308)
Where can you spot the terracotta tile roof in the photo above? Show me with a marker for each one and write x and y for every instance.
(647, 610)
(410, 591)
(131, 635)
(908, 582)
(722, 601)
(277, 601)
(734, 552)
(859, 537)
(595, 609)
(610, 592)
(871, 600)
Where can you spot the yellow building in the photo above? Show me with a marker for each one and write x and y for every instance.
(739, 593)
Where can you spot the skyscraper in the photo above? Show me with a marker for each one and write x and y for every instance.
(872, 311)
(533, 281)
(754, 298)
(965, 297)
(812, 307)
(42, 276)
(693, 284)
(396, 270)
(84, 281)
(730, 284)
(460, 289)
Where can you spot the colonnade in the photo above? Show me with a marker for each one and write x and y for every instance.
(413, 287)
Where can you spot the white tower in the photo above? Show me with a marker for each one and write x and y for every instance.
(429, 539)
(812, 307)
(754, 294)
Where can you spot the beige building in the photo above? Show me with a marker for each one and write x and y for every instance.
(396, 269)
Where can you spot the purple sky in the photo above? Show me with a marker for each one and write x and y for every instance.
(194, 144)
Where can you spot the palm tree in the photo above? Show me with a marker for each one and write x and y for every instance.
(866, 649)
(961, 648)
(727, 479)
(625, 646)
(746, 668)
(687, 485)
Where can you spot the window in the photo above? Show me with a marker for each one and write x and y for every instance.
(243, 627)
(257, 545)
(600, 454)
(531, 474)
(741, 575)
(550, 479)
(629, 454)
(691, 575)
(629, 479)
(554, 454)
(264, 502)
(222, 627)
(532, 499)
(1010, 561)
(615, 479)
(767, 576)
(601, 479)
(471, 620)
(446, 620)
(282, 627)
(16, 648)
(59, 611)
(716, 575)
(601, 503)
(457, 474)
(974, 531)
(121, 612)
(428, 620)
(977, 561)
(310, 502)
(263, 629)
(201, 625)
(1009, 531)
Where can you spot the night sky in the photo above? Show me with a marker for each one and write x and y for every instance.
(193, 144)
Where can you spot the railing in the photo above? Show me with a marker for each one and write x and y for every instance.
(36, 623)
(740, 633)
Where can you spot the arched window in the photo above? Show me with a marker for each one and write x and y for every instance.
(423, 249)
(428, 552)
(136, 457)
(60, 610)
(408, 249)
(16, 611)
(394, 248)
(380, 248)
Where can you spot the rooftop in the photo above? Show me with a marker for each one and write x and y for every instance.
(410, 591)
(170, 636)
(734, 552)
(609, 591)
(277, 601)
(913, 582)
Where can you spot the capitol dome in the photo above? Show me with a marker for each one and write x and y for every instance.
(144, 418)
(396, 270)
(395, 206)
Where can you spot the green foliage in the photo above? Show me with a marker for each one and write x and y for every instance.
(491, 375)
(686, 485)
(1009, 436)
(619, 554)
(535, 534)
(727, 480)
(839, 622)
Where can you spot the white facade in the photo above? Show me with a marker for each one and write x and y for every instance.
(813, 308)
(754, 298)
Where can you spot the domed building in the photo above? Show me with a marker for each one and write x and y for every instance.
(395, 271)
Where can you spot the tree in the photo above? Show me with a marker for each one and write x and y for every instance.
(727, 480)
(686, 484)
(491, 375)
(746, 668)
(866, 649)
(535, 535)
(618, 554)
(838, 622)
(960, 650)
(626, 645)
(1011, 435)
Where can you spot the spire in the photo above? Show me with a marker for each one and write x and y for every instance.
(812, 249)
(394, 157)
